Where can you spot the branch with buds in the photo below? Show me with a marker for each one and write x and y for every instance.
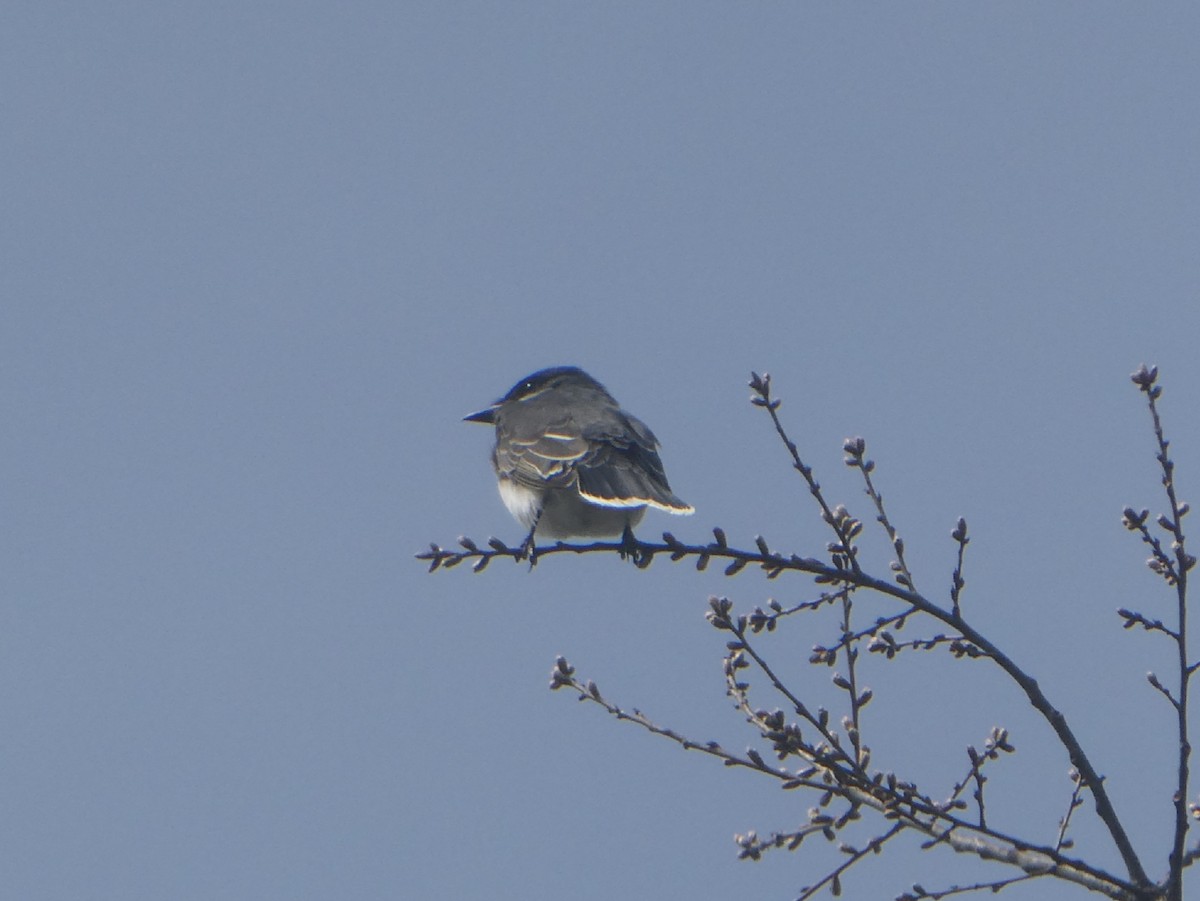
(829, 755)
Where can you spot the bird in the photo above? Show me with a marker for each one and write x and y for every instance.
(570, 463)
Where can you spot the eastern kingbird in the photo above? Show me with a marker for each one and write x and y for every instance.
(571, 462)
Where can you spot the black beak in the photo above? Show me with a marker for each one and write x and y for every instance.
(487, 417)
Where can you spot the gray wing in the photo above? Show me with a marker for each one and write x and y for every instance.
(613, 462)
(623, 468)
(533, 453)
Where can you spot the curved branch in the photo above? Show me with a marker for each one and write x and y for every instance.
(773, 564)
(942, 828)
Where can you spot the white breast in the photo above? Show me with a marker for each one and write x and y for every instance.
(523, 502)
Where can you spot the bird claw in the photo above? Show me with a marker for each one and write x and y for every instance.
(629, 547)
(528, 549)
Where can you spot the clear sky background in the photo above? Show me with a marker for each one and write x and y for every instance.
(258, 259)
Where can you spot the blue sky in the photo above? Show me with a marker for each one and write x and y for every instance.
(258, 261)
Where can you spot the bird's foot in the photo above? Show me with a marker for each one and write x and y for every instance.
(528, 550)
(630, 547)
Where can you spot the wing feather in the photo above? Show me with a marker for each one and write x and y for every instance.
(624, 468)
(613, 461)
(537, 457)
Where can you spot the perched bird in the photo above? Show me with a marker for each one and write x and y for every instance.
(570, 462)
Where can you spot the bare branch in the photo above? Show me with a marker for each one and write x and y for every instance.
(1065, 823)
(918, 891)
(889, 797)
(834, 878)
(760, 620)
(1174, 568)
(957, 582)
(856, 449)
(1150, 625)
(774, 562)
(996, 742)
(843, 525)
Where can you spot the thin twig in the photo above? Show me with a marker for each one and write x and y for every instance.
(1065, 822)
(996, 742)
(877, 629)
(719, 616)
(856, 449)
(957, 582)
(834, 878)
(857, 701)
(994, 887)
(844, 527)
